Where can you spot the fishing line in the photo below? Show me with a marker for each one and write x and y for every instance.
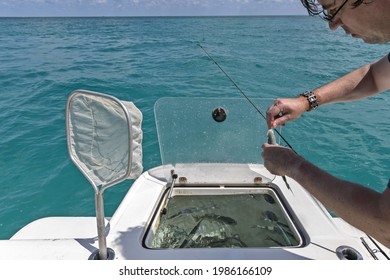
(242, 93)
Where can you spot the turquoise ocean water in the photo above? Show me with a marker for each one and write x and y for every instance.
(42, 60)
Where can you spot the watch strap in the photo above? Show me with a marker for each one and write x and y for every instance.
(311, 98)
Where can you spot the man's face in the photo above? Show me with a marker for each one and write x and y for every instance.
(369, 22)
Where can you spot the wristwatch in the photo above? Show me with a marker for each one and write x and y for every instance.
(311, 98)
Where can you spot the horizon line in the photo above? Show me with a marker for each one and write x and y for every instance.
(128, 16)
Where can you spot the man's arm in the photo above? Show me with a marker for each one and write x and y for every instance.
(361, 83)
(362, 207)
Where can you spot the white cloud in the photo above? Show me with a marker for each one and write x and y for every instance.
(146, 2)
(146, 7)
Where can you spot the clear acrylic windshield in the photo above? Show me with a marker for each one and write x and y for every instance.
(211, 130)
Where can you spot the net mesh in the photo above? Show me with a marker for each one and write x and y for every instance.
(101, 141)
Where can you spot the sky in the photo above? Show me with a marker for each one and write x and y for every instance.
(24, 8)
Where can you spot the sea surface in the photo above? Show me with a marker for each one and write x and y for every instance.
(42, 60)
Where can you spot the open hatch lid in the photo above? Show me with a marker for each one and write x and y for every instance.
(211, 130)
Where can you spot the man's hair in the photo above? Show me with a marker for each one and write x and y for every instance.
(314, 8)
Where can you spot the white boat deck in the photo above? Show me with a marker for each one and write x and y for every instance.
(75, 237)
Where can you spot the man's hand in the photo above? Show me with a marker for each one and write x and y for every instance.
(284, 110)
